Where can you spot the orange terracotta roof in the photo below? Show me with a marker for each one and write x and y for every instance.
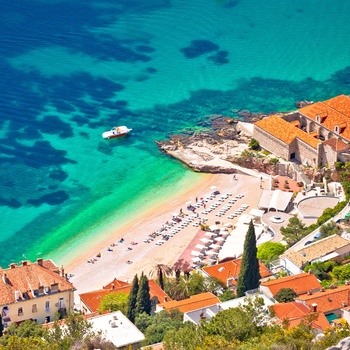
(301, 283)
(329, 300)
(285, 131)
(195, 302)
(295, 313)
(93, 299)
(116, 284)
(26, 279)
(335, 111)
(336, 144)
(230, 269)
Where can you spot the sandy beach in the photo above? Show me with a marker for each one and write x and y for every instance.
(112, 264)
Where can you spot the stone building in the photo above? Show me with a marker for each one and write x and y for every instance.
(318, 134)
(34, 291)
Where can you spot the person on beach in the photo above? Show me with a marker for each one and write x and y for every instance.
(196, 199)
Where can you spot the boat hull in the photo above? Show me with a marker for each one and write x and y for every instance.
(119, 131)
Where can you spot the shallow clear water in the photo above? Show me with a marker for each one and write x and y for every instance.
(70, 70)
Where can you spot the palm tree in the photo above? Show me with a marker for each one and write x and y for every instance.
(161, 270)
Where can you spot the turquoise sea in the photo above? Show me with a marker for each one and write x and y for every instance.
(71, 70)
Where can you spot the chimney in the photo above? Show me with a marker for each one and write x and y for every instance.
(66, 276)
(62, 271)
(4, 278)
(343, 303)
(112, 286)
(24, 263)
(165, 299)
(13, 265)
(309, 292)
(39, 261)
(314, 307)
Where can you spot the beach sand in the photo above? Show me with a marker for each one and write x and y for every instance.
(113, 264)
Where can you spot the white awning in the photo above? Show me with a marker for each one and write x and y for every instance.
(328, 256)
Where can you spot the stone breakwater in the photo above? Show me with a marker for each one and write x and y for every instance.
(212, 150)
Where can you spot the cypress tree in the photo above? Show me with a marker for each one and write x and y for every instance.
(143, 301)
(249, 274)
(130, 313)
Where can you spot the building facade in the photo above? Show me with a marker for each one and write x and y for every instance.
(318, 134)
(34, 291)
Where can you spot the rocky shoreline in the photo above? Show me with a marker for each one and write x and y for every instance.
(212, 150)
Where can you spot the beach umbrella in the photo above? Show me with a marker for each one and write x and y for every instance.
(201, 246)
(188, 203)
(219, 239)
(213, 227)
(228, 224)
(213, 187)
(175, 214)
(196, 259)
(206, 240)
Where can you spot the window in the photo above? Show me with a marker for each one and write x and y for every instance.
(34, 308)
(61, 303)
(47, 306)
(5, 311)
(20, 311)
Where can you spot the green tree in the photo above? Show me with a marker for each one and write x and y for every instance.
(321, 269)
(294, 231)
(285, 295)
(161, 270)
(249, 275)
(130, 313)
(114, 302)
(143, 300)
(270, 251)
(226, 295)
(254, 144)
(161, 323)
(75, 331)
(329, 229)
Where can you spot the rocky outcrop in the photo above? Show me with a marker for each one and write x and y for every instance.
(342, 345)
(210, 151)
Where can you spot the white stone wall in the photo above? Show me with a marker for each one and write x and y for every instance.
(271, 143)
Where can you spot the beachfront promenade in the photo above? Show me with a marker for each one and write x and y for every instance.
(139, 253)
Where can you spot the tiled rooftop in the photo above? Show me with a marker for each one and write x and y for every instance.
(301, 283)
(285, 131)
(336, 144)
(93, 299)
(316, 250)
(328, 300)
(27, 278)
(296, 312)
(230, 269)
(335, 111)
(195, 302)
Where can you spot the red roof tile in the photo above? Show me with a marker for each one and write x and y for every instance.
(329, 300)
(230, 269)
(286, 132)
(295, 313)
(27, 278)
(336, 144)
(195, 302)
(93, 299)
(335, 111)
(301, 283)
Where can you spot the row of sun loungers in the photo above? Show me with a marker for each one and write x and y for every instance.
(183, 220)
